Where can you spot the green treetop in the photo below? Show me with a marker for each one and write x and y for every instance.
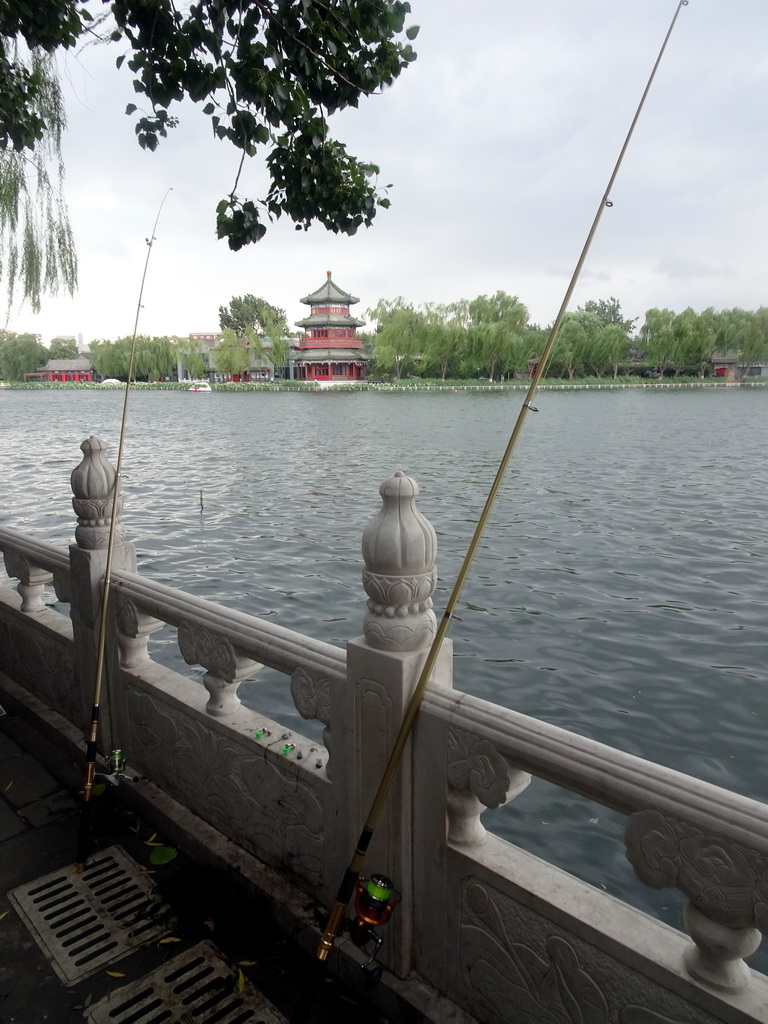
(267, 74)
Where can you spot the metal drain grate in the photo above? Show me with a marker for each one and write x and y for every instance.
(196, 986)
(83, 922)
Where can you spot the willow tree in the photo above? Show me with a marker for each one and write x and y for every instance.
(233, 352)
(657, 338)
(446, 336)
(37, 249)
(20, 354)
(267, 75)
(497, 326)
(401, 335)
(153, 357)
(190, 352)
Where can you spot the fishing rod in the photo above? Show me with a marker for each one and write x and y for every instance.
(116, 761)
(354, 870)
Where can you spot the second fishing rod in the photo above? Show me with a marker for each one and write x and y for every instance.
(115, 761)
(350, 880)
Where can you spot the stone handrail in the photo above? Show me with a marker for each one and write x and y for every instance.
(604, 774)
(34, 563)
(682, 832)
(265, 642)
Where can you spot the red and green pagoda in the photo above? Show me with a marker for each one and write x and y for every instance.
(330, 349)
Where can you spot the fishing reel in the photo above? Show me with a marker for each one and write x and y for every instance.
(375, 899)
(116, 769)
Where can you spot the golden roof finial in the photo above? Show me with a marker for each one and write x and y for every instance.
(328, 272)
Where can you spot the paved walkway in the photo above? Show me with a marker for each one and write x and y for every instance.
(38, 834)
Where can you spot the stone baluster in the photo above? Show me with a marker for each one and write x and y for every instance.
(311, 697)
(94, 484)
(383, 666)
(725, 886)
(718, 951)
(478, 778)
(226, 669)
(32, 581)
(134, 628)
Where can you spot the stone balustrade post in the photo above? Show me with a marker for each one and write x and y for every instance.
(383, 666)
(94, 485)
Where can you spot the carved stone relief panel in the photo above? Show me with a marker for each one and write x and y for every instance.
(511, 956)
(263, 804)
(42, 664)
(285, 825)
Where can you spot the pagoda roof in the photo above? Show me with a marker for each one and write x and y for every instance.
(330, 319)
(329, 292)
(335, 355)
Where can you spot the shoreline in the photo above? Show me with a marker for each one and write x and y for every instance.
(333, 388)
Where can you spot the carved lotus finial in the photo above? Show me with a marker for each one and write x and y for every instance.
(93, 486)
(399, 548)
(399, 539)
(94, 478)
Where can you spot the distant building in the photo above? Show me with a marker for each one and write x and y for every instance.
(79, 369)
(729, 365)
(330, 349)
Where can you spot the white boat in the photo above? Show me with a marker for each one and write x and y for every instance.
(199, 385)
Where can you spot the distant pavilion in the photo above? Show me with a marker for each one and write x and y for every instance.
(330, 349)
(77, 370)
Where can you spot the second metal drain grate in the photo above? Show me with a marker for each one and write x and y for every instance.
(83, 922)
(196, 986)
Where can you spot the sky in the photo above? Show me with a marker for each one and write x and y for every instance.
(498, 141)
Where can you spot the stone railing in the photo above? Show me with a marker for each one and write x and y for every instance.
(481, 921)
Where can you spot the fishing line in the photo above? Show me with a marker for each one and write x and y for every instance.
(93, 734)
(354, 870)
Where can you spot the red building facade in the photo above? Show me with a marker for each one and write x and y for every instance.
(330, 349)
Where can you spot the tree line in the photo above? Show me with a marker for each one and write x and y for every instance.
(252, 330)
(491, 336)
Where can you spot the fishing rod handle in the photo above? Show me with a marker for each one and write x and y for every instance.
(332, 929)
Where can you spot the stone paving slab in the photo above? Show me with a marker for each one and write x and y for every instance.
(50, 808)
(8, 748)
(10, 822)
(23, 780)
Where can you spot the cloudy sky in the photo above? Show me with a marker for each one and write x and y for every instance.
(499, 142)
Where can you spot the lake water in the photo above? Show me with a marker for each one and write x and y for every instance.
(620, 591)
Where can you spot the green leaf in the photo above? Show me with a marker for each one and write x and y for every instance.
(163, 855)
(131, 108)
(412, 31)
